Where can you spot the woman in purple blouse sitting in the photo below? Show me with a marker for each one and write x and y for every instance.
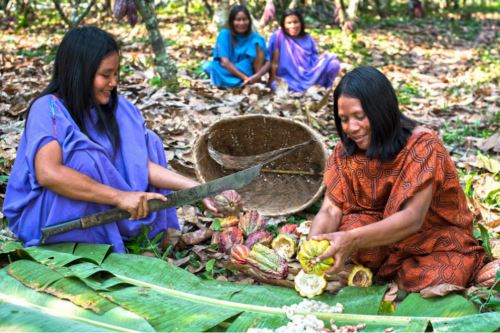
(85, 149)
(294, 56)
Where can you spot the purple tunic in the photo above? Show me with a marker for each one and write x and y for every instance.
(29, 207)
(299, 64)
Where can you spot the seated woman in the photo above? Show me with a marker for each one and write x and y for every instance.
(240, 56)
(86, 149)
(393, 201)
(295, 56)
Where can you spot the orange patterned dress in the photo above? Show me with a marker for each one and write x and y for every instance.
(367, 191)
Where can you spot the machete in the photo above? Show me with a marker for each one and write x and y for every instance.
(231, 182)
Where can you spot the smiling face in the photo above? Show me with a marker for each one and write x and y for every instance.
(241, 23)
(354, 121)
(292, 25)
(106, 78)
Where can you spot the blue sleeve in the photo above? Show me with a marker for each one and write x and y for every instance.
(223, 47)
(261, 42)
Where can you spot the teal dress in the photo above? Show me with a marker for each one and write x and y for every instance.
(241, 50)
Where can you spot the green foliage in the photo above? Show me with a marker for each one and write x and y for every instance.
(216, 224)
(44, 51)
(176, 8)
(456, 134)
(487, 299)
(211, 270)
(485, 237)
(4, 179)
(156, 81)
(347, 47)
(142, 243)
(406, 92)
(126, 70)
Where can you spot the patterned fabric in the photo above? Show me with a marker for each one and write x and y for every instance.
(367, 191)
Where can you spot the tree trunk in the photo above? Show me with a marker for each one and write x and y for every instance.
(209, 8)
(164, 66)
(221, 14)
(76, 18)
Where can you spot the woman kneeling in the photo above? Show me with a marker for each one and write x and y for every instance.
(393, 201)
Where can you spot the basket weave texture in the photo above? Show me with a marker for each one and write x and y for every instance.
(272, 194)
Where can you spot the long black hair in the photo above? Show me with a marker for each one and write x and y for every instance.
(293, 12)
(390, 129)
(77, 60)
(232, 16)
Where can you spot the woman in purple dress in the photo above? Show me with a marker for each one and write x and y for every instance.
(294, 56)
(85, 149)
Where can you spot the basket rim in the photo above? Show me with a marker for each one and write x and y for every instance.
(318, 137)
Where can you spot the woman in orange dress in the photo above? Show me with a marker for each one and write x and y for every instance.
(393, 201)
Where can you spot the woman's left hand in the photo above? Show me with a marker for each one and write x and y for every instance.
(341, 246)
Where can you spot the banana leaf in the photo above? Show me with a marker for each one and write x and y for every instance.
(9, 247)
(23, 309)
(447, 306)
(172, 299)
(483, 322)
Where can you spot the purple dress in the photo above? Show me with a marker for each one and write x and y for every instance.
(30, 207)
(299, 64)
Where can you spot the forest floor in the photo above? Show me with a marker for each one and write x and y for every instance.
(445, 70)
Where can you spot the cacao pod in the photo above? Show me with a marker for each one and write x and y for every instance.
(229, 238)
(131, 12)
(289, 228)
(230, 221)
(285, 245)
(268, 262)
(309, 285)
(486, 275)
(120, 9)
(360, 276)
(261, 237)
(309, 250)
(239, 253)
(228, 203)
(251, 222)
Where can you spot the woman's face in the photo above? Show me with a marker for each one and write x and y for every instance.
(106, 78)
(354, 121)
(241, 23)
(292, 25)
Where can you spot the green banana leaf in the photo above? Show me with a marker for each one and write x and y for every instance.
(23, 309)
(483, 322)
(171, 299)
(9, 247)
(447, 306)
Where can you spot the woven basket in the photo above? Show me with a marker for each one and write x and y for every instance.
(270, 193)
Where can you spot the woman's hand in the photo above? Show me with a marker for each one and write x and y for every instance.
(210, 206)
(341, 246)
(136, 203)
(251, 80)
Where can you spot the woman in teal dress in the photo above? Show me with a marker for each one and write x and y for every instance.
(240, 55)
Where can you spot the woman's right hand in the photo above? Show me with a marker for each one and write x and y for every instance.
(136, 203)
